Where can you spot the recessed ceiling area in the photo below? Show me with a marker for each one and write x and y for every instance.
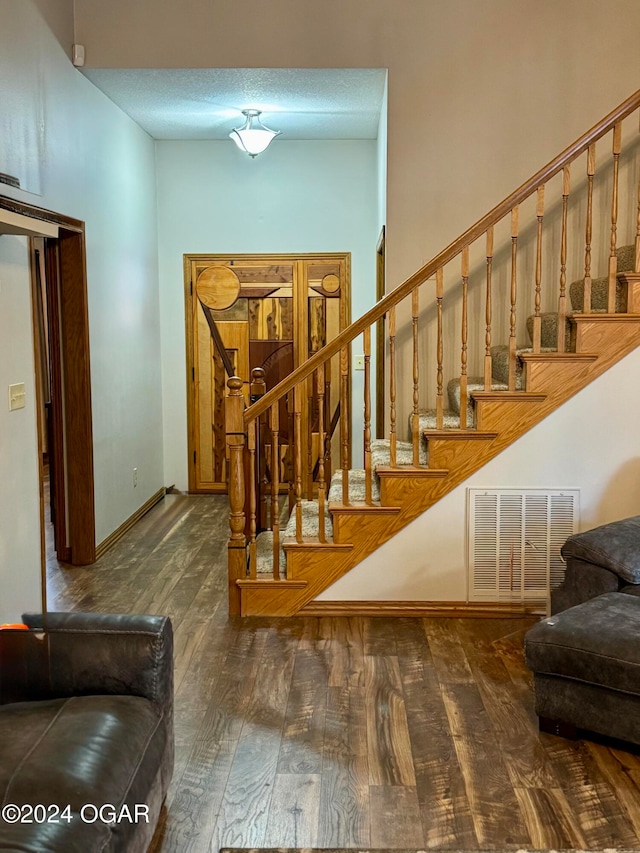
(206, 103)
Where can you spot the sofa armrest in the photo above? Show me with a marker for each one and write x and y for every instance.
(614, 546)
(105, 653)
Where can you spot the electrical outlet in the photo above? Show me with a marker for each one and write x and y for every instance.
(358, 362)
(135, 477)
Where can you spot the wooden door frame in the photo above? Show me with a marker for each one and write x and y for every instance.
(189, 297)
(65, 261)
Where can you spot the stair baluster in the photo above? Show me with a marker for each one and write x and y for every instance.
(512, 298)
(439, 350)
(297, 443)
(487, 338)
(613, 258)
(591, 170)
(537, 319)
(415, 419)
(636, 265)
(321, 451)
(392, 382)
(464, 397)
(252, 440)
(291, 464)
(274, 421)
(257, 390)
(367, 415)
(328, 419)
(309, 470)
(344, 422)
(562, 298)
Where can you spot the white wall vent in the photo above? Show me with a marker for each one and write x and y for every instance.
(515, 538)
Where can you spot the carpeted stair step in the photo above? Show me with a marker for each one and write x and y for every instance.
(310, 527)
(451, 416)
(381, 453)
(356, 487)
(600, 286)
(264, 555)
(548, 331)
(500, 361)
(450, 420)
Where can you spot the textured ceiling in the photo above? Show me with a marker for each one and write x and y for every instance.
(329, 103)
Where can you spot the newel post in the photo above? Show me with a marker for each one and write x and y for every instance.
(237, 553)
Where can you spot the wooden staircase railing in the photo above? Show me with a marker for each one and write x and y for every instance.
(502, 266)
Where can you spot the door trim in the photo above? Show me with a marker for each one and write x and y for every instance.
(66, 263)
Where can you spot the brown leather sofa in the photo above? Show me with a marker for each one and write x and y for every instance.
(86, 732)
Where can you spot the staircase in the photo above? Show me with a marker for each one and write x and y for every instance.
(499, 389)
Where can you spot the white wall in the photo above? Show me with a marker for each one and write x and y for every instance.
(591, 443)
(296, 197)
(98, 166)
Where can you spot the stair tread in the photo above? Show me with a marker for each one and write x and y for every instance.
(603, 317)
(528, 396)
(559, 356)
(457, 434)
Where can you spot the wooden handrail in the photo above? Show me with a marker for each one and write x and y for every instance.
(429, 269)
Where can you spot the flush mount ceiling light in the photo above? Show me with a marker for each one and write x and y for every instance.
(253, 137)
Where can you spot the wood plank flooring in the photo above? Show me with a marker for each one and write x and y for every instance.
(348, 732)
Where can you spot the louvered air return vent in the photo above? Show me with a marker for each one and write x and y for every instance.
(514, 542)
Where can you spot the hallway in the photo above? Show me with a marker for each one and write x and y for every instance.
(347, 732)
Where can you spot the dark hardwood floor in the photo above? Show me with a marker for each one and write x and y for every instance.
(348, 732)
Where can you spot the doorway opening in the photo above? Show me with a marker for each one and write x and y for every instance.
(63, 383)
(257, 311)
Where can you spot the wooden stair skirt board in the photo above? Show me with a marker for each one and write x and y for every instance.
(454, 455)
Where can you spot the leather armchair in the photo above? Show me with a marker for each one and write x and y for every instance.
(86, 731)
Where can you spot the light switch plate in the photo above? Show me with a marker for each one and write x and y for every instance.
(358, 362)
(17, 396)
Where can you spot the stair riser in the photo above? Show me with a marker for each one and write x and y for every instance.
(368, 524)
(399, 490)
(631, 281)
(454, 452)
(272, 601)
(491, 414)
(545, 376)
(298, 556)
(605, 337)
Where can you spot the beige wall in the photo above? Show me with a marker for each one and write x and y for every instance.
(482, 93)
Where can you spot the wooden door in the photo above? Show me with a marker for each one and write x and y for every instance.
(269, 311)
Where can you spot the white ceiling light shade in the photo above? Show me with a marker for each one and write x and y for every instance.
(253, 137)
